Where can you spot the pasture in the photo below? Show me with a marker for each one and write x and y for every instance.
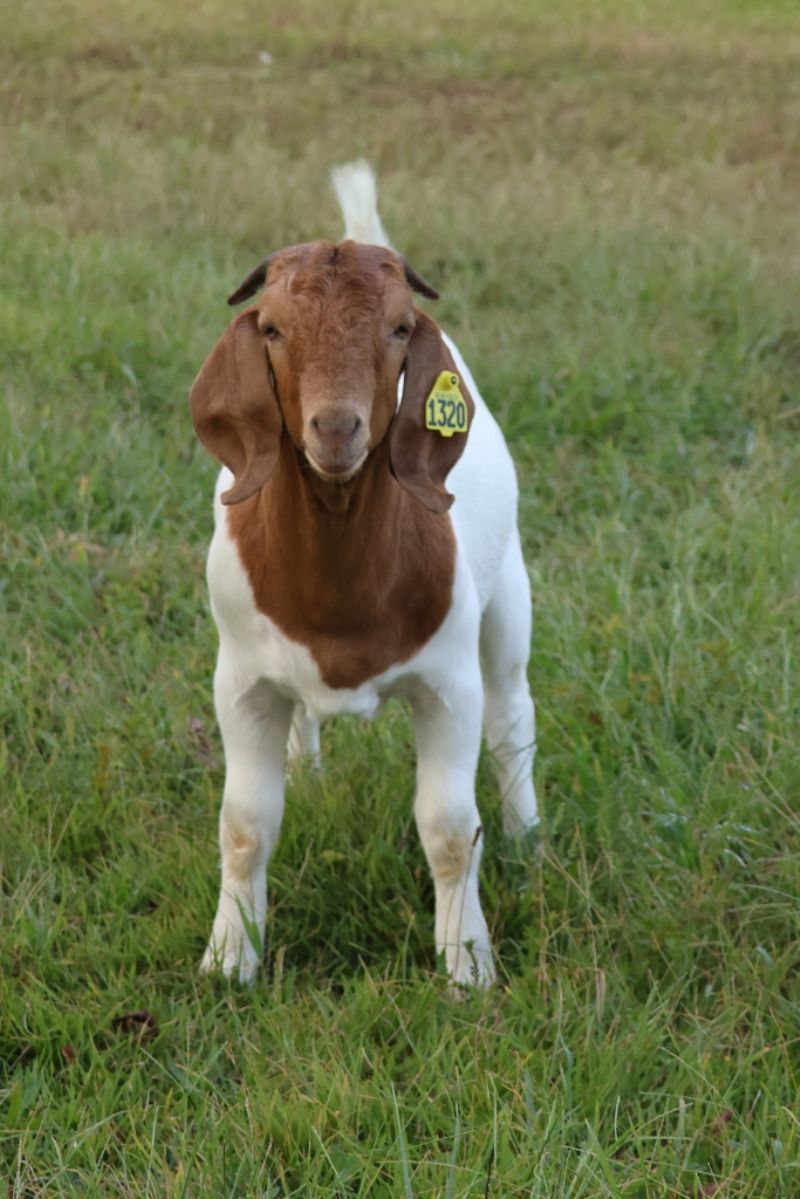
(606, 196)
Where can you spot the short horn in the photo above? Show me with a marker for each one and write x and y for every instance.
(417, 284)
(249, 286)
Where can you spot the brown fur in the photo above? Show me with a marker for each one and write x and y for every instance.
(361, 572)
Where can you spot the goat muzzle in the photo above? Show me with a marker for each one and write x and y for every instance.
(336, 442)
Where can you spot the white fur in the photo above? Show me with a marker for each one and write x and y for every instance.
(356, 191)
(268, 691)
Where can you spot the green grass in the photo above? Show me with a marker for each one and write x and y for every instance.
(606, 195)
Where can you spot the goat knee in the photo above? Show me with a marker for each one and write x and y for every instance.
(451, 852)
(242, 845)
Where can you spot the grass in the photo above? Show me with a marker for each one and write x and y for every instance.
(606, 196)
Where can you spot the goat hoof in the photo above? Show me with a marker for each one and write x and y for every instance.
(218, 960)
(473, 970)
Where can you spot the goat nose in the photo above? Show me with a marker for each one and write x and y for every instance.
(336, 424)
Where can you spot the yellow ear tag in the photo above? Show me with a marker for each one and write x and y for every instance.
(446, 410)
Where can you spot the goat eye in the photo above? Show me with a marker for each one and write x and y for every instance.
(271, 331)
(401, 331)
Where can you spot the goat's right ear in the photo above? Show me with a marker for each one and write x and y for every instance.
(235, 409)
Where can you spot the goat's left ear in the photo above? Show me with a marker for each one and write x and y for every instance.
(421, 458)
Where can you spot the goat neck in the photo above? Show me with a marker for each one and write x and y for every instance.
(360, 573)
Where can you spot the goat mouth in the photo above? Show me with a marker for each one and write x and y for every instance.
(337, 476)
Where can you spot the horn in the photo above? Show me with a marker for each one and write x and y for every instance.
(416, 284)
(249, 286)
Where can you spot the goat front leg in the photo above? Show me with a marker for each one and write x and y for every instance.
(448, 733)
(255, 728)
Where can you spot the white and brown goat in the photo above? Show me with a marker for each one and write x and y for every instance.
(340, 575)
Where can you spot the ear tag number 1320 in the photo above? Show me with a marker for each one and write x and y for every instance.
(445, 408)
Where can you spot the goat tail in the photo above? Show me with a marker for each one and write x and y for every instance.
(354, 184)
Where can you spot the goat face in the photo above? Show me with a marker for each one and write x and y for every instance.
(318, 359)
(336, 321)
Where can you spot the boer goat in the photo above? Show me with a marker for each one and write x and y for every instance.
(340, 574)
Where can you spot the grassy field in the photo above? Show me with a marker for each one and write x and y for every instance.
(606, 195)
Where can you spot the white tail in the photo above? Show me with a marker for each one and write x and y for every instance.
(354, 184)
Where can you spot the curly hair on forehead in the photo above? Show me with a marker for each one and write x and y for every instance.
(367, 258)
(330, 286)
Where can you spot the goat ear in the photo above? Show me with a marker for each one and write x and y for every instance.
(421, 458)
(235, 409)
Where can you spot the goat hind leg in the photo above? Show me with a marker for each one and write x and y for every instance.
(509, 718)
(304, 738)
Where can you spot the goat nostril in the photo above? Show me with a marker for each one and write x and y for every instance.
(337, 425)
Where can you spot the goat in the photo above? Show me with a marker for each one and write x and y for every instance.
(338, 574)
